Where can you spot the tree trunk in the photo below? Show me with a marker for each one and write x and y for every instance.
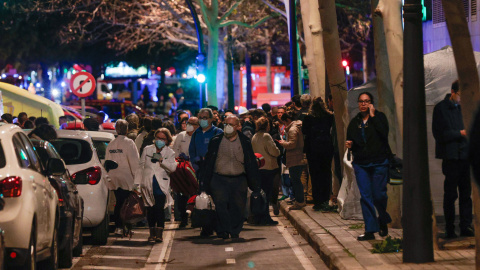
(309, 58)
(333, 63)
(212, 59)
(364, 62)
(387, 105)
(269, 69)
(315, 26)
(391, 11)
(469, 86)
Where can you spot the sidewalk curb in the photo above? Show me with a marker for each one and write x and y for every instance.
(326, 245)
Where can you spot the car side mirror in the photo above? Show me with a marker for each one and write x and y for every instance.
(110, 165)
(55, 166)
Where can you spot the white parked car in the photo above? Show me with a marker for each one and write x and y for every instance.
(101, 139)
(77, 149)
(30, 216)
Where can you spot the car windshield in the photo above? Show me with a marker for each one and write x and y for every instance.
(101, 147)
(73, 151)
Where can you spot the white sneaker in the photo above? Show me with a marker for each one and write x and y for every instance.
(119, 232)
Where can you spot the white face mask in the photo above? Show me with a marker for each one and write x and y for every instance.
(189, 128)
(229, 129)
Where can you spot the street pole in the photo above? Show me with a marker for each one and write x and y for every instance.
(417, 205)
(200, 43)
(293, 49)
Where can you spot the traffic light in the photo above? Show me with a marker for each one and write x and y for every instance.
(200, 62)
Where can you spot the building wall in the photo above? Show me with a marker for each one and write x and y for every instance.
(435, 32)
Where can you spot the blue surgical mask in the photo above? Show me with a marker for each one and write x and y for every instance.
(203, 123)
(159, 144)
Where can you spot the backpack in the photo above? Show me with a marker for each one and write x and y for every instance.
(183, 179)
(258, 202)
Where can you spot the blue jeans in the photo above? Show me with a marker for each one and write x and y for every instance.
(295, 177)
(372, 182)
(287, 186)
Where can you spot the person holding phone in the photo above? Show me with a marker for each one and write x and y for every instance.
(367, 137)
(152, 180)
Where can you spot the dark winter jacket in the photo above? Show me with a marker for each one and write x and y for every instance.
(318, 136)
(446, 125)
(250, 162)
(375, 148)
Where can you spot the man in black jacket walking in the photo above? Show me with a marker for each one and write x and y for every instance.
(230, 167)
(452, 147)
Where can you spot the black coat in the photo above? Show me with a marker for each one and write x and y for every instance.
(318, 134)
(375, 148)
(250, 162)
(446, 125)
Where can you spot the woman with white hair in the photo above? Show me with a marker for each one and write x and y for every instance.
(124, 152)
(153, 181)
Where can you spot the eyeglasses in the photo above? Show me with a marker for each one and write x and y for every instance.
(204, 118)
(366, 101)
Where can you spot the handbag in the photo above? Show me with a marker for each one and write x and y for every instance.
(133, 209)
(395, 171)
(203, 214)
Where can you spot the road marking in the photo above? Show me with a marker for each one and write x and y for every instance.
(229, 249)
(139, 258)
(85, 249)
(127, 247)
(231, 261)
(166, 247)
(307, 265)
(101, 267)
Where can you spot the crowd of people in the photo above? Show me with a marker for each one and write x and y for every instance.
(299, 147)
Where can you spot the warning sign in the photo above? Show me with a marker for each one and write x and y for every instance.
(82, 84)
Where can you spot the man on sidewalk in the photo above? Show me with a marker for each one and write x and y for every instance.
(452, 147)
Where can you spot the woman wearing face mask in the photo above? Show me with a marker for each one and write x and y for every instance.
(153, 181)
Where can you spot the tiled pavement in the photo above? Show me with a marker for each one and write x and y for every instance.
(335, 239)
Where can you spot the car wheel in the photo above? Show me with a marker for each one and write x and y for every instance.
(100, 233)
(78, 250)
(52, 262)
(65, 258)
(30, 260)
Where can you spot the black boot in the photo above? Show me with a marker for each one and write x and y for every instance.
(366, 236)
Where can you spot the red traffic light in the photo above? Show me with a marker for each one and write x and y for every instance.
(344, 63)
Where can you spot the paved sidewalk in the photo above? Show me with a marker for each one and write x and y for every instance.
(335, 240)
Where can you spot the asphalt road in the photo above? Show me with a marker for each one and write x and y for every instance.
(259, 247)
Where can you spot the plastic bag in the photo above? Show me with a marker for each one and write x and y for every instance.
(133, 209)
(349, 195)
(203, 214)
